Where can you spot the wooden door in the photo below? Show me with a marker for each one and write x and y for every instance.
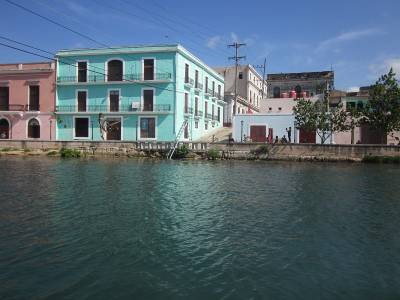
(307, 137)
(113, 129)
(258, 133)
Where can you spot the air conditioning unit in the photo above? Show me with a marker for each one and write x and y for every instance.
(135, 106)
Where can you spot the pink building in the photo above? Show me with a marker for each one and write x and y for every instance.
(27, 97)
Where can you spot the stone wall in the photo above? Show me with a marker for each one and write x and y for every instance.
(229, 151)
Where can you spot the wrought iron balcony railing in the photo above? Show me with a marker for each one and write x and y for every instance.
(188, 110)
(189, 81)
(127, 77)
(120, 108)
(19, 107)
(209, 91)
(198, 85)
(207, 116)
(198, 113)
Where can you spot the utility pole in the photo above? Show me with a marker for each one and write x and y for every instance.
(237, 58)
(263, 67)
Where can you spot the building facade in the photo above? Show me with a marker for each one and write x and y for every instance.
(27, 93)
(299, 85)
(250, 90)
(146, 93)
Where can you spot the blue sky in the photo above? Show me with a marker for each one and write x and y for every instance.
(359, 39)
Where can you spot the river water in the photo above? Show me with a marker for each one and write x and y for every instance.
(128, 229)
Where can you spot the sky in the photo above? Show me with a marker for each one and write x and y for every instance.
(358, 39)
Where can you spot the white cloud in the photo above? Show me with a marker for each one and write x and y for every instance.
(214, 41)
(234, 37)
(349, 36)
(383, 66)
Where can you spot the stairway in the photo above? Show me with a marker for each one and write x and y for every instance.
(220, 135)
(178, 136)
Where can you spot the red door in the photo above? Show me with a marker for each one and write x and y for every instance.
(258, 133)
(307, 137)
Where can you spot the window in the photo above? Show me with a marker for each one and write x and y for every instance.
(81, 127)
(212, 110)
(186, 73)
(148, 69)
(82, 71)
(186, 107)
(205, 109)
(4, 98)
(277, 92)
(4, 129)
(206, 85)
(219, 90)
(270, 108)
(82, 100)
(114, 70)
(219, 114)
(196, 79)
(196, 124)
(148, 100)
(147, 128)
(240, 75)
(114, 100)
(33, 129)
(196, 106)
(34, 97)
(213, 88)
(206, 126)
(279, 108)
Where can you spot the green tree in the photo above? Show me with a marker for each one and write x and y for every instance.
(320, 118)
(383, 109)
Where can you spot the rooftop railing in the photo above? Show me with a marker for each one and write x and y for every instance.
(19, 107)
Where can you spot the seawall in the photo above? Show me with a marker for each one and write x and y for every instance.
(224, 150)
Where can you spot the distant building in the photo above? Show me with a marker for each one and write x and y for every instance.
(250, 90)
(27, 101)
(139, 93)
(299, 85)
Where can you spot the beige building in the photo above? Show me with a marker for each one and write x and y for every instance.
(250, 90)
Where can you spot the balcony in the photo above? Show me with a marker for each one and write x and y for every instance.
(207, 116)
(188, 110)
(189, 82)
(209, 92)
(198, 86)
(100, 78)
(198, 113)
(19, 107)
(133, 109)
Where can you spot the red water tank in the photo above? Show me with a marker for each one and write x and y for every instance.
(292, 94)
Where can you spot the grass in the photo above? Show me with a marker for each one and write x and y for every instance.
(381, 159)
(6, 149)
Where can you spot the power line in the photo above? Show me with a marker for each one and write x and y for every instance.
(75, 66)
(237, 58)
(55, 22)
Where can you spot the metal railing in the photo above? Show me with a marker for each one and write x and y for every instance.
(120, 108)
(188, 110)
(198, 85)
(19, 107)
(209, 91)
(198, 113)
(189, 81)
(126, 77)
(207, 116)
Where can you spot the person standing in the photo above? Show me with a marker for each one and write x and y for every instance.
(289, 133)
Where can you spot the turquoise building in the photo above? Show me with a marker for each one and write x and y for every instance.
(146, 93)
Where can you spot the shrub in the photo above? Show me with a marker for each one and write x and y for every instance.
(6, 149)
(263, 149)
(70, 153)
(213, 154)
(52, 153)
(27, 150)
(181, 152)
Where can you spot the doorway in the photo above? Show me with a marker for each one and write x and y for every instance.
(258, 133)
(114, 127)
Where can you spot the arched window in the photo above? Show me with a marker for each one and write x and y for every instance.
(4, 129)
(33, 129)
(298, 91)
(277, 92)
(114, 70)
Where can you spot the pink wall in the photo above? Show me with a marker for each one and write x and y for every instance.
(18, 77)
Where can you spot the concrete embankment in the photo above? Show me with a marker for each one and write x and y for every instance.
(250, 151)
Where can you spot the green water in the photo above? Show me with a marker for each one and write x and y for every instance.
(128, 229)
